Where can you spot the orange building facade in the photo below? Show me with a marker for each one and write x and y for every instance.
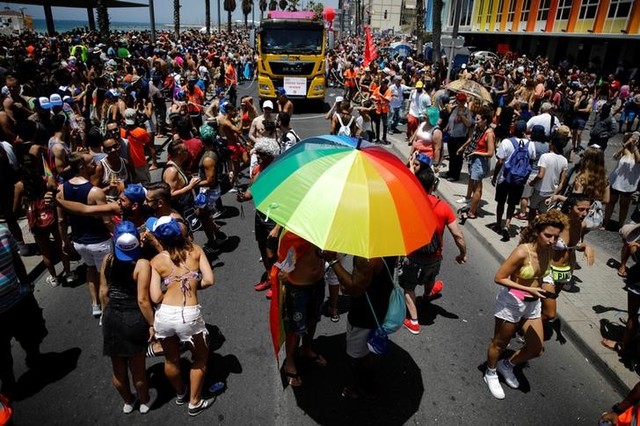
(596, 33)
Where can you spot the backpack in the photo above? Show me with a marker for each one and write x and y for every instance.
(564, 104)
(289, 139)
(345, 130)
(518, 166)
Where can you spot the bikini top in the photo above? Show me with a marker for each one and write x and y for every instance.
(527, 272)
(183, 279)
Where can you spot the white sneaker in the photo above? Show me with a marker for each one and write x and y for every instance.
(462, 200)
(507, 374)
(128, 408)
(52, 281)
(144, 408)
(96, 311)
(494, 385)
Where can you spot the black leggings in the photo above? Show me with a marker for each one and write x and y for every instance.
(376, 118)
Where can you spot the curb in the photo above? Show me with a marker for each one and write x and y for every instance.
(583, 347)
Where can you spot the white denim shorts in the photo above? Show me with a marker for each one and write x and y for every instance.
(93, 254)
(357, 341)
(512, 309)
(184, 322)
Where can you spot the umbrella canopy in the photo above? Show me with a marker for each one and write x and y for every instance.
(471, 88)
(341, 197)
(402, 48)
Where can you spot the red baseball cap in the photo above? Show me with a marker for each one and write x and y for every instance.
(461, 97)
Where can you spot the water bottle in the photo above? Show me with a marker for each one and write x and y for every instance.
(201, 199)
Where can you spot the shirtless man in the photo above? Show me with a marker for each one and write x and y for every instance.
(303, 275)
(230, 128)
(284, 103)
(257, 125)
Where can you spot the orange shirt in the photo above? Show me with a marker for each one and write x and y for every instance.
(382, 100)
(195, 98)
(350, 77)
(230, 75)
(138, 138)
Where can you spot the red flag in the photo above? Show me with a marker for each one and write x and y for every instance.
(370, 52)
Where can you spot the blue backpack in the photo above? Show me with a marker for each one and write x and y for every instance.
(518, 167)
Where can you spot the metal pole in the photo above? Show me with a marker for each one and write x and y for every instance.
(152, 19)
(457, 10)
(91, 18)
(48, 15)
(219, 22)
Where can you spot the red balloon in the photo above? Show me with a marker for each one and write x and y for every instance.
(329, 14)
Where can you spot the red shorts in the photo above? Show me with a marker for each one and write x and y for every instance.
(412, 125)
(237, 151)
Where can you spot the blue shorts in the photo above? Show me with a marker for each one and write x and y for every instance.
(578, 124)
(302, 306)
(478, 168)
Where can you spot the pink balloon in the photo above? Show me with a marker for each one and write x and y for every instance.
(329, 14)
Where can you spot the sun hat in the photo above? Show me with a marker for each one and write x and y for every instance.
(130, 116)
(126, 242)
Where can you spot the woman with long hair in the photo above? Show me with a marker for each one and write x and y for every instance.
(178, 272)
(518, 302)
(590, 179)
(478, 151)
(624, 178)
(127, 323)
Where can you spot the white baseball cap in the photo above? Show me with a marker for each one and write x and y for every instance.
(267, 104)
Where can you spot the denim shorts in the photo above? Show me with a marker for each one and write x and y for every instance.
(303, 306)
(478, 168)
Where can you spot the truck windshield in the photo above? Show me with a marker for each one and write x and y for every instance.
(300, 41)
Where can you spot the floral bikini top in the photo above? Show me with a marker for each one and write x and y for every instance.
(183, 279)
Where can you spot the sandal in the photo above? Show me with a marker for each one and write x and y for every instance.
(612, 345)
(293, 379)
(335, 317)
(151, 352)
(622, 274)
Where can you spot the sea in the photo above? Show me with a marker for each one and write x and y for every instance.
(64, 25)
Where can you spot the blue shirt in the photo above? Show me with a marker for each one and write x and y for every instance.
(11, 290)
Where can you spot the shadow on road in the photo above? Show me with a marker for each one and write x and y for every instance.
(399, 384)
(428, 312)
(51, 367)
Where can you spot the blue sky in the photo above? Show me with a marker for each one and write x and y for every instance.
(192, 11)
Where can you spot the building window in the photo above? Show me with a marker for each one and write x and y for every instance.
(620, 8)
(564, 9)
(543, 11)
(480, 10)
(588, 9)
(526, 8)
(467, 13)
(512, 11)
(499, 14)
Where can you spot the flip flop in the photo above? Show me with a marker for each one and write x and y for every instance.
(335, 318)
(622, 274)
(617, 347)
(293, 379)
(151, 353)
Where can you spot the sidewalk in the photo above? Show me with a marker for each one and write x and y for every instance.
(596, 300)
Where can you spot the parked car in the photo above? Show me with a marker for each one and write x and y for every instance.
(483, 55)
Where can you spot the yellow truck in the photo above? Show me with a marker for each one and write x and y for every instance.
(292, 47)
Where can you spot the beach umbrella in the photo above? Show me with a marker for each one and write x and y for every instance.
(401, 48)
(346, 195)
(471, 88)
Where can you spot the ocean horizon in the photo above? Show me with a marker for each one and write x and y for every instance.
(65, 25)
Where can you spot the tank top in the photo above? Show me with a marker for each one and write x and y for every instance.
(85, 229)
(360, 314)
(109, 175)
(123, 289)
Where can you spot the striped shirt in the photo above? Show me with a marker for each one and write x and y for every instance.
(11, 290)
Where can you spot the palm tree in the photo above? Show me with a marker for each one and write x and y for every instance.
(273, 5)
(247, 5)
(293, 5)
(263, 8)
(318, 8)
(103, 18)
(176, 17)
(207, 15)
(283, 4)
(437, 29)
(229, 6)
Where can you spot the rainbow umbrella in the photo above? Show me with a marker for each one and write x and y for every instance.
(347, 196)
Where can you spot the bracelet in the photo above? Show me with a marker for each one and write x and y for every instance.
(333, 262)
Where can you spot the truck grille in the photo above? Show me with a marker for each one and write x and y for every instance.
(292, 68)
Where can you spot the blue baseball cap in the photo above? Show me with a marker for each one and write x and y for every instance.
(165, 228)
(126, 242)
(135, 193)
(281, 91)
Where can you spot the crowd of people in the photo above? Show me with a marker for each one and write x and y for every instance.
(79, 122)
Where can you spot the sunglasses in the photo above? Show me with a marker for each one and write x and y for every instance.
(111, 148)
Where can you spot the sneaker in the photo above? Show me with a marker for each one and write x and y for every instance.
(437, 288)
(494, 385)
(219, 213)
(263, 285)
(96, 311)
(52, 281)
(145, 408)
(268, 294)
(70, 278)
(181, 399)
(233, 190)
(506, 235)
(203, 405)
(128, 408)
(412, 325)
(463, 200)
(221, 237)
(506, 371)
(211, 250)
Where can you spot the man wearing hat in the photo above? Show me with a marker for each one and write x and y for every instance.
(284, 103)
(460, 128)
(419, 101)
(137, 138)
(546, 119)
(257, 125)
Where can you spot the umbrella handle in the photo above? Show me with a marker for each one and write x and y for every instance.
(359, 142)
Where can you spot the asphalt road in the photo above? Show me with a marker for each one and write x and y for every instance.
(432, 378)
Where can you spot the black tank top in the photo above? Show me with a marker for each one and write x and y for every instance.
(123, 289)
(85, 230)
(379, 291)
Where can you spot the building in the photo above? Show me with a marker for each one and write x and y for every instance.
(600, 34)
